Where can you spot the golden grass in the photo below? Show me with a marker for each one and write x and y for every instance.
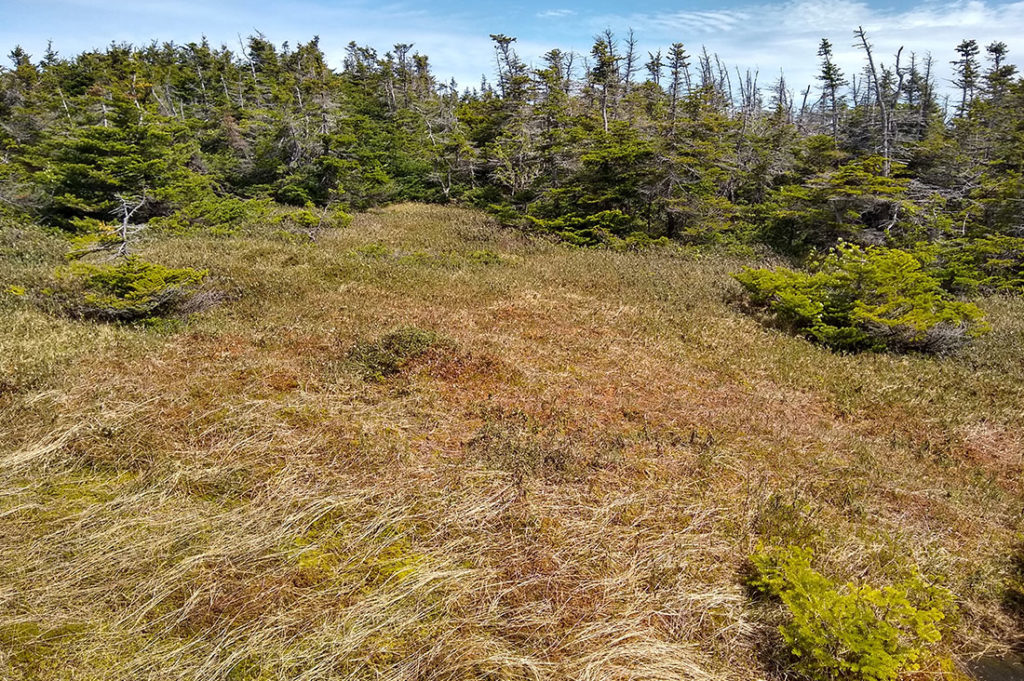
(566, 487)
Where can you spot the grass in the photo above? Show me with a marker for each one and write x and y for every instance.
(559, 476)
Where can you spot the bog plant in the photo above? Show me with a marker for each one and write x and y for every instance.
(850, 631)
(130, 290)
(392, 352)
(865, 299)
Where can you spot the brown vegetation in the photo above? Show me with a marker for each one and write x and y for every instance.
(565, 486)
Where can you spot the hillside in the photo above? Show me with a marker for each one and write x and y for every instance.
(427, 447)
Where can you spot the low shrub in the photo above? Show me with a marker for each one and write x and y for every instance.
(865, 299)
(484, 257)
(587, 230)
(215, 214)
(130, 290)
(373, 251)
(987, 265)
(293, 195)
(392, 352)
(850, 631)
(310, 221)
(519, 446)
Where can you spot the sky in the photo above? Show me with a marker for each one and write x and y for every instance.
(764, 37)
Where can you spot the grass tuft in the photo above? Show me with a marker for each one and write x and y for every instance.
(392, 352)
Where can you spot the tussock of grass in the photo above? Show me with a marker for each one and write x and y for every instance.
(567, 487)
(392, 352)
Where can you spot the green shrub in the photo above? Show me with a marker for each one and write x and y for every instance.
(993, 264)
(374, 251)
(392, 352)
(305, 219)
(587, 230)
(293, 195)
(835, 204)
(850, 631)
(484, 257)
(217, 214)
(865, 299)
(340, 219)
(309, 221)
(131, 290)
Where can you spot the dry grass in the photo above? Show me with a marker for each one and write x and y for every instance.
(566, 487)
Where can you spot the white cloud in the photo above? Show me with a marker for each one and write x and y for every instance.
(765, 37)
(555, 13)
(688, 22)
(786, 36)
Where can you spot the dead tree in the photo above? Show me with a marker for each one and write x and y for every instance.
(127, 208)
(882, 103)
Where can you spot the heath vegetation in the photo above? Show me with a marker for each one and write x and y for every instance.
(616, 368)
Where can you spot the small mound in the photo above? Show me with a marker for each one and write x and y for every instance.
(392, 352)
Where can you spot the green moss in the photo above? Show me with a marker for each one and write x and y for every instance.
(247, 669)
(332, 550)
(33, 649)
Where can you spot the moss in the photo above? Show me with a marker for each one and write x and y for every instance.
(34, 649)
(246, 669)
(333, 551)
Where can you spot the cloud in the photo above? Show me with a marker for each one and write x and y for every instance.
(769, 37)
(743, 33)
(555, 13)
(689, 22)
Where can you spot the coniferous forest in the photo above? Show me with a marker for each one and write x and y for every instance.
(612, 148)
(623, 365)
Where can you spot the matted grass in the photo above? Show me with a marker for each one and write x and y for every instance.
(566, 487)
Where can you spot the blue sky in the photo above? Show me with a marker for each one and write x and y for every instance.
(744, 33)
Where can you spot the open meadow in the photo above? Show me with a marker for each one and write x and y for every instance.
(425, 447)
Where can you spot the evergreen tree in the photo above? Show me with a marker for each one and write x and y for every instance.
(966, 69)
(832, 80)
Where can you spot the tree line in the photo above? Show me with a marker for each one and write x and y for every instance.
(612, 142)
(611, 147)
